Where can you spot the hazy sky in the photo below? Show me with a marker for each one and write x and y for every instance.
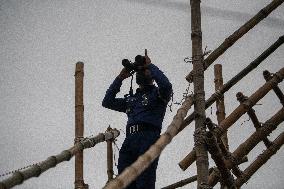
(42, 40)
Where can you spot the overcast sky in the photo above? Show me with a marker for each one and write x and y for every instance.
(42, 40)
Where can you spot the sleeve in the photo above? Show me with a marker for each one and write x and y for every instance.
(164, 85)
(110, 101)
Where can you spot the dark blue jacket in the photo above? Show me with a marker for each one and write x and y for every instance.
(145, 106)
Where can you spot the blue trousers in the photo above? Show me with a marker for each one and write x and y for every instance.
(133, 146)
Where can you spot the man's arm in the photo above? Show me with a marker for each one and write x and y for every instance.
(165, 87)
(110, 101)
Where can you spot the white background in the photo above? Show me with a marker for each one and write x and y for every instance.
(42, 40)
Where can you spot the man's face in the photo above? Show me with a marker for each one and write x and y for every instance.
(144, 77)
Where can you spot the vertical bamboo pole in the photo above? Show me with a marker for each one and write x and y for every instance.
(220, 105)
(79, 124)
(199, 96)
(109, 158)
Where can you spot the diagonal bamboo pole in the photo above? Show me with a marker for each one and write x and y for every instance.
(251, 113)
(133, 171)
(267, 76)
(36, 170)
(243, 149)
(217, 156)
(261, 160)
(184, 181)
(243, 108)
(202, 163)
(236, 79)
(263, 13)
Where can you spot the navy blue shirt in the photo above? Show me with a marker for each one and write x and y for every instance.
(147, 105)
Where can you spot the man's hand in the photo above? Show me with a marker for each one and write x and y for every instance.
(124, 74)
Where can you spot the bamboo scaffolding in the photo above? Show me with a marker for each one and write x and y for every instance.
(261, 160)
(79, 125)
(236, 79)
(251, 113)
(226, 176)
(263, 13)
(133, 171)
(202, 163)
(109, 158)
(243, 149)
(36, 170)
(220, 105)
(241, 109)
(267, 76)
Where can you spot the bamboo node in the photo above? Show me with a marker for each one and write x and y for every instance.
(19, 175)
(53, 160)
(38, 170)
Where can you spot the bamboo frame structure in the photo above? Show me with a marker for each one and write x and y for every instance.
(244, 148)
(236, 78)
(202, 163)
(220, 105)
(244, 107)
(261, 160)
(251, 113)
(79, 125)
(267, 76)
(134, 170)
(263, 13)
(36, 170)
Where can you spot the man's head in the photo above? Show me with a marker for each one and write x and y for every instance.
(143, 75)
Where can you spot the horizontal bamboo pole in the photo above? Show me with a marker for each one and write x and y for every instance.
(267, 76)
(217, 95)
(243, 149)
(36, 170)
(134, 170)
(251, 113)
(261, 160)
(263, 13)
(241, 109)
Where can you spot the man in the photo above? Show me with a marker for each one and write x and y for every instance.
(145, 111)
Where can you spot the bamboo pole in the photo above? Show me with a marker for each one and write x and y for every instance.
(185, 181)
(236, 79)
(220, 105)
(37, 169)
(267, 76)
(263, 13)
(261, 160)
(79, 124)
(134, 170)
(109, 158)
(226, 176)
(243, 149)
(202, 163)
(251, 113)
(241, 109)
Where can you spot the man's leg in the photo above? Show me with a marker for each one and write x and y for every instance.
(148, 178)
(125, 159)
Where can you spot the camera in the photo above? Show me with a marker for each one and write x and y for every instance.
(136, 66)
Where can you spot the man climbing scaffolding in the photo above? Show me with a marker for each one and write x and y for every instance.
(145, 111)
